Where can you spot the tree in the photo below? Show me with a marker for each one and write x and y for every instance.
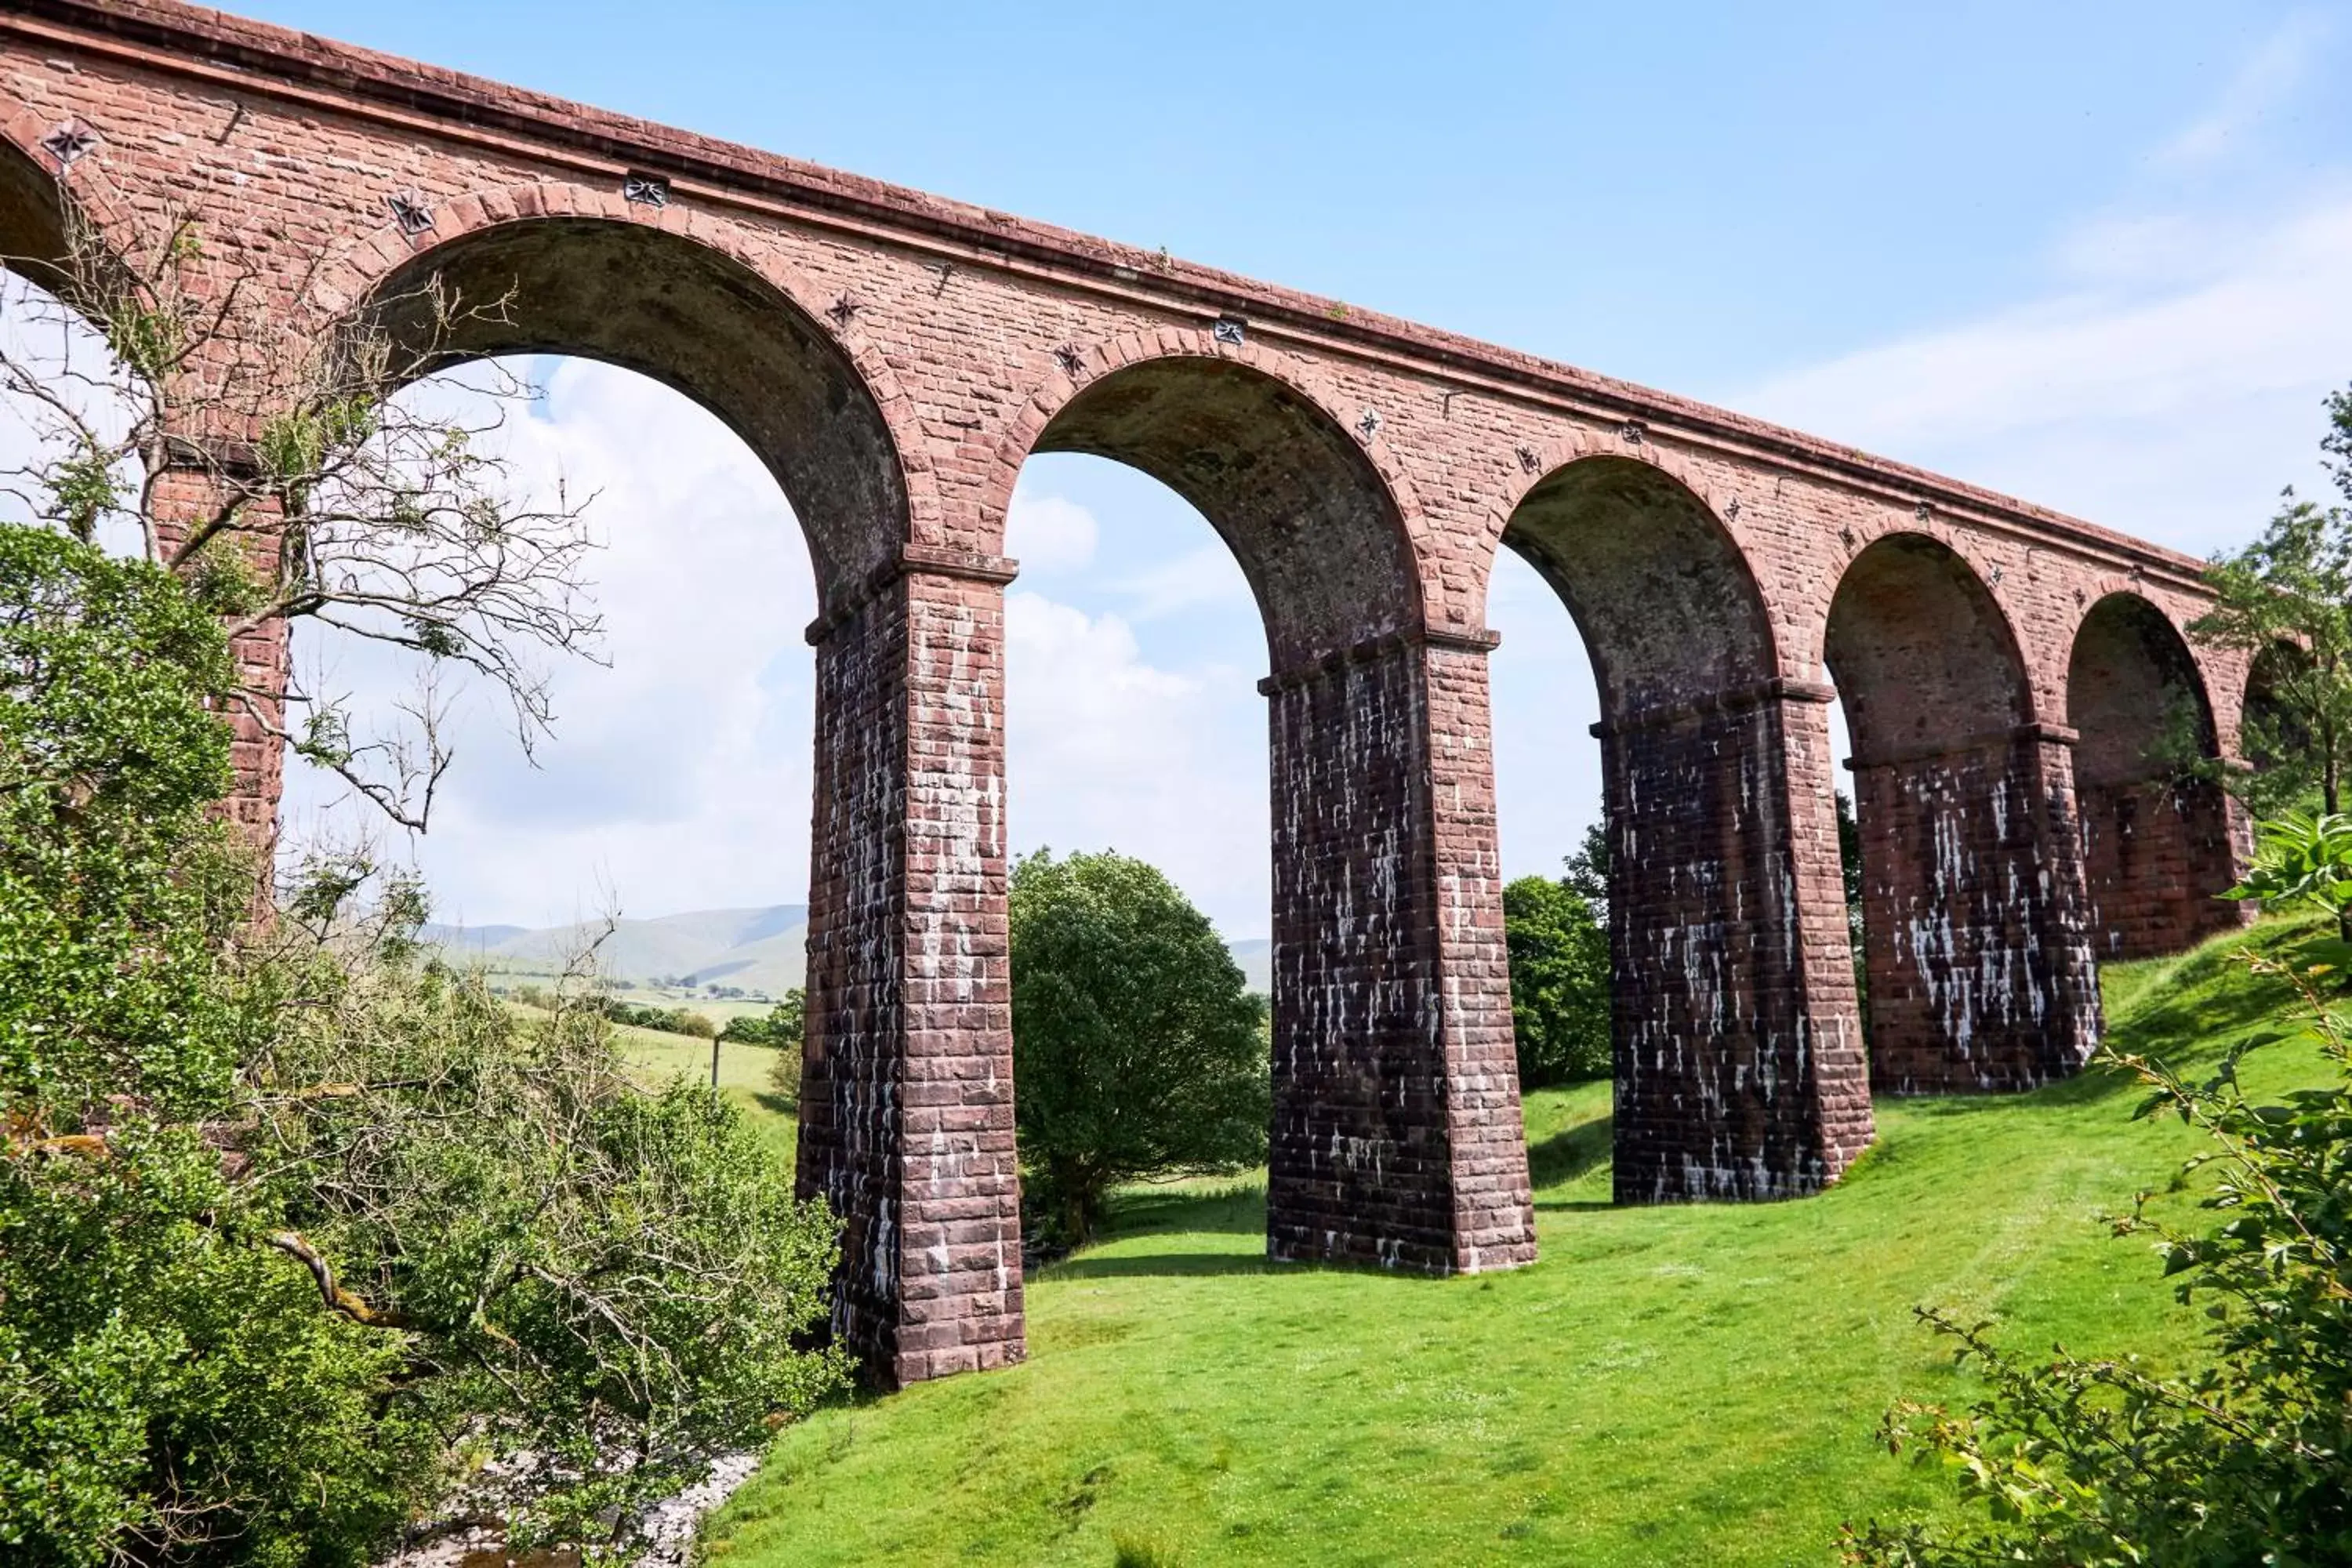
(1587, 871)
(1850, 869)
(782, 1028)
(1138, 1049)
(2285, 602)
(296, 1227)
(2248, 1457)
(783, 1031)
(283, 471)
(1559, 981)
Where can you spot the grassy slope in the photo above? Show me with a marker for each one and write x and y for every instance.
(1668, 1385)
(742, 1076)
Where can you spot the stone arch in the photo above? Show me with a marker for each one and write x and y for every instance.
(1396, 1139)
(39, 190)
(1978, 969)
(1318, 512)
(675, 295)
(1922, 653)
(1738, 1066)
(1670, 611)
(2158, 845)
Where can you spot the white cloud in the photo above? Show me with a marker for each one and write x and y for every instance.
(2168, 402)
(1106, 751)
(1206, 577)
(1047, 533)
(679, 777)
(2266, 77)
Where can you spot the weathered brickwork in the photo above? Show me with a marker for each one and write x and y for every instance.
(2156, 846)
(894, 359)
(1974, 920)
(1395, 1092)
(1739, 1060)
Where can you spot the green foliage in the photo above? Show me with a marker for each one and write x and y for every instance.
(2285, 601)
(295, 1229)
(668, 1020)
(1559, 982)
(783, 1031)
(1138, 1049)
(1586, 873)
(162, 1376)
(783, 1027)
(2300, 858)
(590, 1272)
(2244, 1458)
(116, 894)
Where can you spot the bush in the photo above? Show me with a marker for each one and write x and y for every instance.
(1559, 983)
(783, 1027)
(2247, 1458)
(783, 1030)
(1137, 1050)
(296, 1227)
(664, 1020)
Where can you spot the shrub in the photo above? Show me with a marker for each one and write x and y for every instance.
(783, 1027)
(1559, 983)
(1138, 1049)
(295, 1225)
(2247, 1458)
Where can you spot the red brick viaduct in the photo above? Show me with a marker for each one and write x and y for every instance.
(894, 358)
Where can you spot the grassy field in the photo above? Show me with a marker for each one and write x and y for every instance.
(1668, 1385)
(742, 1076)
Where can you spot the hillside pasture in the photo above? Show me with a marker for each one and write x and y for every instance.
(1667, 1385)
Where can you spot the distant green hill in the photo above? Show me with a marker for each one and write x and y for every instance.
(755, 950)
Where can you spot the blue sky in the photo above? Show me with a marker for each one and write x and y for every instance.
(2094, 255)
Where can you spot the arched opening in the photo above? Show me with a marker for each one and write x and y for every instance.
(1368, 1136)
(1736, 1058)
(2157, 836)
(33, 218)
(889, 857)
(1290, 492)
(695, 319)
(1975, 944)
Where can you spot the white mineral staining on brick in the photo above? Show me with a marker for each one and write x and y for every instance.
(1995, 865)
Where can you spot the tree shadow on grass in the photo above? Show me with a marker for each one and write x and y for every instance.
(1144, 1211)
(1571, 1155)
(1163, 1266)
(777, 1105)
(1236, 1210)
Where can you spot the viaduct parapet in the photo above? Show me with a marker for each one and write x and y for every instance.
(894, 359)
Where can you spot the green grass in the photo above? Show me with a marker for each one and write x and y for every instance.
(742, 1077)
(1668, 1385)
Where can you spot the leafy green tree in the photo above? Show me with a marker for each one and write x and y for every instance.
(2248, 1457)
(1138, 1049)
(1850, 868)
(296, 1228)
(1586, 873)
(2285, 601)
(783, 1027)
(1559, 982)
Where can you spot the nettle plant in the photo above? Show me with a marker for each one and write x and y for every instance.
(161, 412)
